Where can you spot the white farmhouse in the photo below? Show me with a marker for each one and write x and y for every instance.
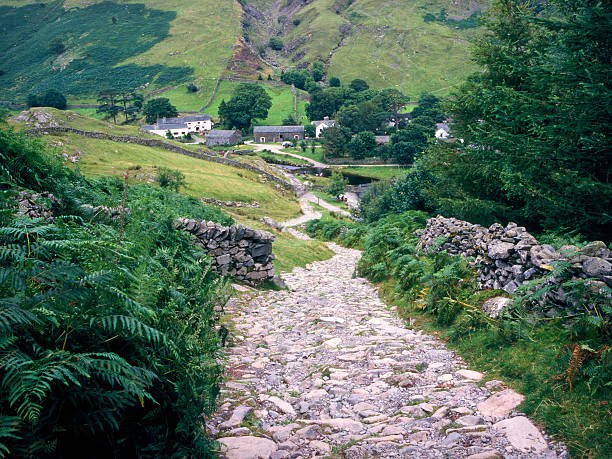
(322, 124)
(442, 131)
(181, 125)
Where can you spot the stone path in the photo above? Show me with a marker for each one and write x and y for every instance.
(309, 213)
(327, 370)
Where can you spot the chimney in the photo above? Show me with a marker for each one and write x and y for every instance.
(326, 118)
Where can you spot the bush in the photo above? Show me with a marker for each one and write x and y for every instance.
(296, 21)
(337, 185)
(191, 87)
(108, 329)
(334, 82)
(276, 43)
(170, 178)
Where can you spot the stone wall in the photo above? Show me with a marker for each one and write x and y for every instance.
(158, 143)
(506, 257)
(243, 253)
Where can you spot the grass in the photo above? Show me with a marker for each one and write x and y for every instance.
(204, 178)
(330, 199)
(317, 155)
(291, 252)
(282, 158)
(380, 173)
(282, 102)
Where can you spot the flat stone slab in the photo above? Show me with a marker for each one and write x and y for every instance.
(522, 434)
(501, 404)
(247, 447)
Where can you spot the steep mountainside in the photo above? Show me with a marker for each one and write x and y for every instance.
(413, 44)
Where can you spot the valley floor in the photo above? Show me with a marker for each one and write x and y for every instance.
(326, 369)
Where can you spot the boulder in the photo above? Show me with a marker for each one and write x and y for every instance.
(247, 447)
(500, 250)
(501, 404)
(494, 306)
(523, 435)
(596, 267)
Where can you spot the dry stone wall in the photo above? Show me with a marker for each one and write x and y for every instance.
(243, 253)
(507, 257)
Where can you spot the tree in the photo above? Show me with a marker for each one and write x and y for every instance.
(33, 100)
(248, 102)
(429, 105)
(53, 98)
(108, 100)
(394, 101)
(317, 71)
(413, 134)
(349, 117)
(535, 123)
(289, 121)
(276, 43)
(310, 131)
(269, 77)
(169, 135)
(404, 152)
(303, 145)
(56, 46)
(338, 184)
(362, 145)
(335, 140)
(322, 104)
(191, 87)
(159, 108)
(359, 85)
(334, 82)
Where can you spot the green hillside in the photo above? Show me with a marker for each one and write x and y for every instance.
(414, 45)
(81, 47)
(149, 43)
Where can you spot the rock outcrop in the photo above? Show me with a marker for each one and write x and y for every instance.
(243, 253)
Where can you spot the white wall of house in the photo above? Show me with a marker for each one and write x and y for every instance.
(175, 132)
(442, 134)
(197, 126)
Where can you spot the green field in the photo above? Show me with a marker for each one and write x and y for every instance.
(379, 173)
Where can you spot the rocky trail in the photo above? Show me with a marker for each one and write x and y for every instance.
(326, 369)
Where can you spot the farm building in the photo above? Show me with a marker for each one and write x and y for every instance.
(180, 125)
(223, 137)
(266, 134)
(177, 130)
(322, 124)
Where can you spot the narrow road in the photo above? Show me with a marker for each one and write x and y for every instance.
(277, 149)
(326, 369)
(309, 213)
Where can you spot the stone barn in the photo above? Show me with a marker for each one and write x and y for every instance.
(223, 137)
(267, 134)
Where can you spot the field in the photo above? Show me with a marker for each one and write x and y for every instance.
(282, 102)
(380, 173)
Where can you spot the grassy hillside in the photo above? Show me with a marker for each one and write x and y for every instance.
(388, 44)
(123, 45)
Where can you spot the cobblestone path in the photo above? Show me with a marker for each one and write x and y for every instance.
(327, 370)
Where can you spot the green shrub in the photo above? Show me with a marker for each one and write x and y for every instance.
(170, 178)
(276, 43)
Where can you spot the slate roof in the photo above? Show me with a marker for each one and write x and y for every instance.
(221, 134)
(443, 126)
(183, 119)
(163, 126)
(280, 129)
(328, 123)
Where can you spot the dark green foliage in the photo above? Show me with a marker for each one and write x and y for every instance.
(172, 75)
(537, 121)
(107, 347)
(57, 46)
(296, 21)
(470, 22)
(337, 184)
(51, 98)
(309, 130)
(98, 47)
(334, 82)
(318, 72)
(159, 108)
(248, 103)
(170, 178)
(358, 85)
(298, 78)
(289, 121)
(362, 145)
(335, 140)
(321, 104)
(276, 43)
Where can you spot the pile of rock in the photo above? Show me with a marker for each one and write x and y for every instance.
(506, 257)
(216, 202)
(243, 253)
(36, 205)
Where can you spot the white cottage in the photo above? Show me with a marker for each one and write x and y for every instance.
(181, 125)
(322, 124)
